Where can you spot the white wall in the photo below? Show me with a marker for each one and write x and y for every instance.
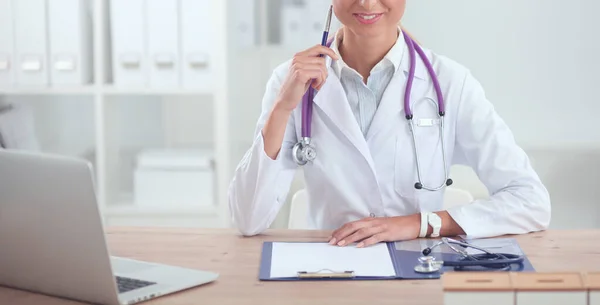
(535, 58)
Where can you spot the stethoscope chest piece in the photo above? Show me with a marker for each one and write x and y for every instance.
(303, 152)
(427, 264)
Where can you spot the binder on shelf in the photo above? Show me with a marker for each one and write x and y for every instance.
(244, 23)
(128, 47)
(30, 39)
(162, 54)
(403, 257)
(70, 42)
(294, 14)
(198, 38)
(6, 45)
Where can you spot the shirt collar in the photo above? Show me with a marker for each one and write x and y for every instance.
(392, 58)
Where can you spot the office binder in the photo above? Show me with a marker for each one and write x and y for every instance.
(294, 17)
(244, 20)
(70, 42)
(404, 256)
(128, 42)
(198, 37)
(6, 45)
(162, 54)
(31, 46)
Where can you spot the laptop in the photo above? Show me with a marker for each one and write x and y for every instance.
(52, 240)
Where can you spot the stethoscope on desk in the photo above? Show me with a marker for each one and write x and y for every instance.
(486, 261)
(304, 152)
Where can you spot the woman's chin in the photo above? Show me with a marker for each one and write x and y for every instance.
(367, 30)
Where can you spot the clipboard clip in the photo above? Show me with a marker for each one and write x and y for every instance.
(325, 273)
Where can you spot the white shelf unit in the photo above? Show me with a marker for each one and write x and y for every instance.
(231, 108)
(106, 102)
(118, 205)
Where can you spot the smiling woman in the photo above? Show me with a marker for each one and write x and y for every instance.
(390, 118)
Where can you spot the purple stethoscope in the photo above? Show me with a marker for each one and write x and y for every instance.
(304, 152)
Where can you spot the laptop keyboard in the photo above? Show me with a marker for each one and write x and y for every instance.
(127, 284)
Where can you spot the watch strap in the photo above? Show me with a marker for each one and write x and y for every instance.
(437, 226)
(424, 225)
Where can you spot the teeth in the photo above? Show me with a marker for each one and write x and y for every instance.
(368, 17)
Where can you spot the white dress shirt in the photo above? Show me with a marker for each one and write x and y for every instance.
(364, 98)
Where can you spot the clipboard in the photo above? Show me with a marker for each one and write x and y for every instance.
(404, 257)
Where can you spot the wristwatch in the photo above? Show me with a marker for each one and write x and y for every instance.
(435, 222)
(424, 225)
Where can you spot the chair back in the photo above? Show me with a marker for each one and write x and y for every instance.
(455, 197)
(298, 218)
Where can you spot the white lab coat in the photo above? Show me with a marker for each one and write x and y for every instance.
(354, 176)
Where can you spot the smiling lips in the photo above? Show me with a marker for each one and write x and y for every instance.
(367, 18)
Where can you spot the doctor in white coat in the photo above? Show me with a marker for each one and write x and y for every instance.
(361, 185)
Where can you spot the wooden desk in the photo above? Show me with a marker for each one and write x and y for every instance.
(237, 259)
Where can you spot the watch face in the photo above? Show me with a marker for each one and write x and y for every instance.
(435, 220)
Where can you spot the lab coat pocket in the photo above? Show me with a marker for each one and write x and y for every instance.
(427, 137)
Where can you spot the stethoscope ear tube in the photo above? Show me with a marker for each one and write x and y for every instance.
(484, 261)
(487, 260)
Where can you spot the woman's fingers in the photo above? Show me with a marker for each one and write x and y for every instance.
(317, 51)
(307, 69)
(302, 70)
(339, 236)
(305, 76)
(318, 83)
(373, 240)
(309, 60)
(309, 64)
(363, 233)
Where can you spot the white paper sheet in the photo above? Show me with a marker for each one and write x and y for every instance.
(290, 258)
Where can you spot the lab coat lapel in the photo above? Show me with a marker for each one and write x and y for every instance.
(332, 100)
(392, 101)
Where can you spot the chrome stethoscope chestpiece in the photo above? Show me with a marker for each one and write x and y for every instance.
(427, 264)
(297, 154)
(303, 152)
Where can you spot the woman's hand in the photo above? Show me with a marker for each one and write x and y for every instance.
(306, 68)
(370, 231)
